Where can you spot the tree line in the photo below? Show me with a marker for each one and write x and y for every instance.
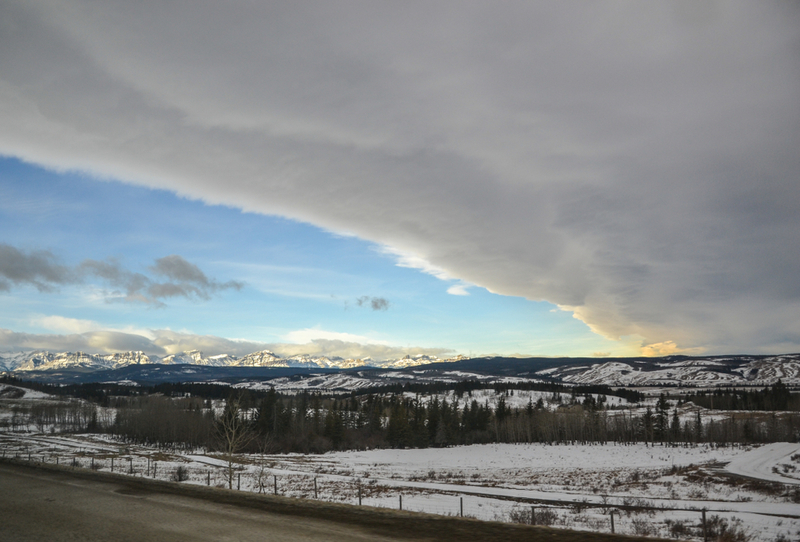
(776, 397)
(312, 423)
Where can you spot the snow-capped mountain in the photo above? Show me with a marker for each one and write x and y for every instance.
(669, 371)
(81, 361)
(43, 361)
(190, 357)
(734, 370)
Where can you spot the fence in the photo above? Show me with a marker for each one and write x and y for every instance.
(364, 492)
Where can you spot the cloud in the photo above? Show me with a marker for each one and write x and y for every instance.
(165, 342)
(100, 342)
(37, 268)
(667, 348)
(414, 261)
(356, 350)
(376, 303)
(635, 165)
(458, 289)
(303, 336)
(78, 326)
(41, 269)
(61, 323)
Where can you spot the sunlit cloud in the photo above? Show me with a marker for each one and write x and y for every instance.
(77, 326)
(412, 261)
(667, 348)
(458, 289)
(303, 336)
(69, 325)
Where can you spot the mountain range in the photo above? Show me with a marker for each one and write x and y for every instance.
(303, 371)
(81, 361)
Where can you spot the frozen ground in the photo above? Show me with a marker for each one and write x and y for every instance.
(777, 462)
(656, 490)
(652, 490)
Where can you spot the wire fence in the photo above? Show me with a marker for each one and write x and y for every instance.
(256, 477)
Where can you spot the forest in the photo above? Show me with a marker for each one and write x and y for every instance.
(208, 415)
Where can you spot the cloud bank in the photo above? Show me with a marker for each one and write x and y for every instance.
(635, 163)
(42, 270)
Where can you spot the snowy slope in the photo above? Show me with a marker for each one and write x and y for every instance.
(742, 370)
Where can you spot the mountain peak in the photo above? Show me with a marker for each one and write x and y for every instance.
(42, 360)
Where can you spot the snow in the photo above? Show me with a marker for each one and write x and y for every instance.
(693, 372)
(765, 463)
(7, 389)
(543, 457)
(43, 360)
(579, 484)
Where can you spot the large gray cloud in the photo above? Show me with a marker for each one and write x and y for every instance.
(43, 270)
(38, 268)
(634, 163)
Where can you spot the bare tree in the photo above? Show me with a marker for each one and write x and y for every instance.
(261, 476)
(233, 432)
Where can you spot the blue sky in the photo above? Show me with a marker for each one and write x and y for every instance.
(623, 181)
(300, 282)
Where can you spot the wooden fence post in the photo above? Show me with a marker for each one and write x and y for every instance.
(316, 494)
(705, 531)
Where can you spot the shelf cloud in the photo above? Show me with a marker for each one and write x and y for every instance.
(635, 164)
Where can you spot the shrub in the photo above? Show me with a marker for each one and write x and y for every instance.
(679, 529)
(546, 516)
(543, 516)
(181, 474)
(720, 530)
(642, 527)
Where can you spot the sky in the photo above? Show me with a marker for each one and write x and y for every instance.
(373, 180)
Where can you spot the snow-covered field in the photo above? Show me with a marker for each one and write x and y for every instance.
(656, 490)
(652, 490)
